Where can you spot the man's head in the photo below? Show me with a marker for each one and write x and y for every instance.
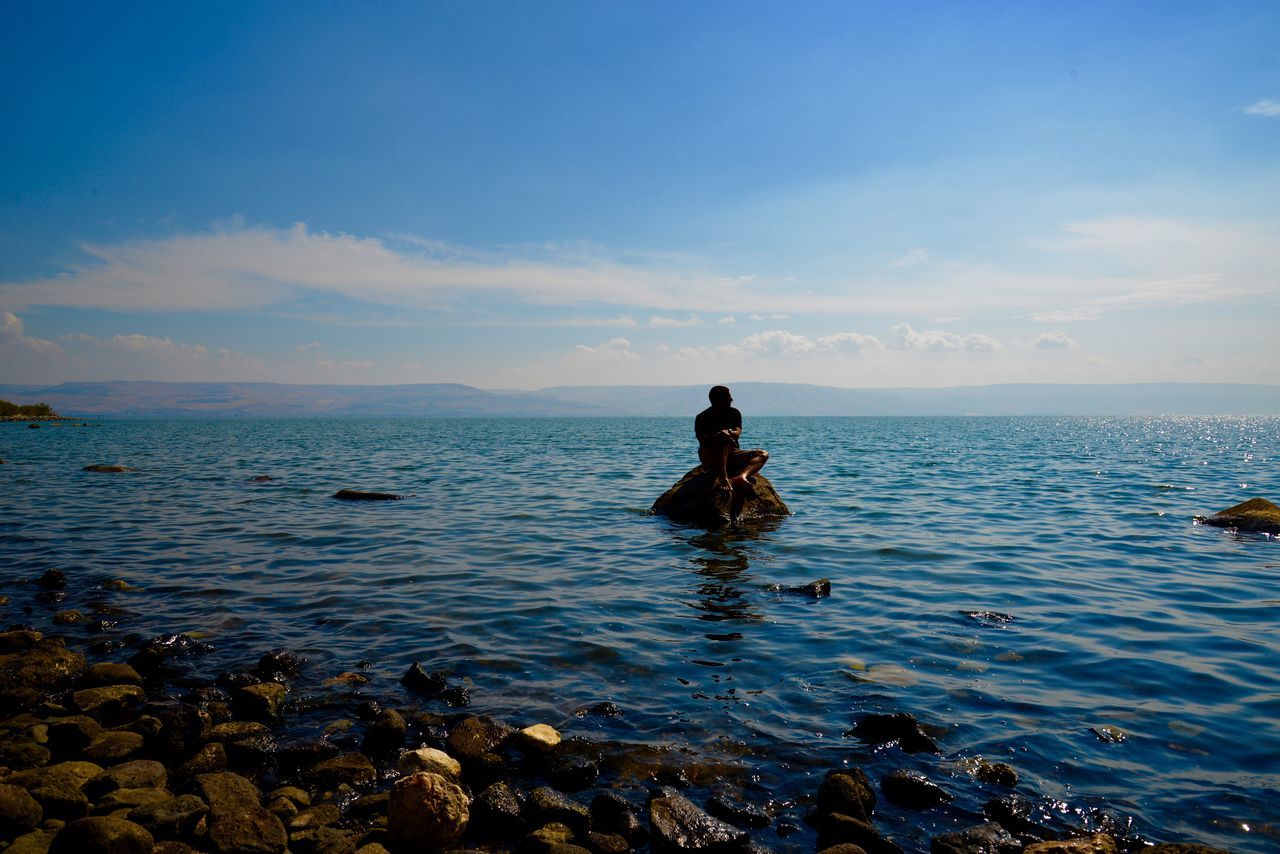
(719, 396)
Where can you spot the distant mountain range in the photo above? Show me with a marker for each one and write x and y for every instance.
(278, 400)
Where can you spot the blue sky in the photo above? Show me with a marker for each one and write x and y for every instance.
(517, 195)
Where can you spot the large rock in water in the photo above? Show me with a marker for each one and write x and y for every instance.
(1257, 515)
(695, 499)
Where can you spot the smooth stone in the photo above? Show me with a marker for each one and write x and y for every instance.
(386, 733)
(158, 650)
(988, 838)
(52, 579)
(816, 589)
(997, 773)
(547, 806)
(105, 468)
(847, 791)
(1109, 734)
(24, 755)
(844, 848)
(737, 812)
(112, 747)
(105, 674)
(259, 702)
(913, 790)
(573, 773)
(353, 769)
(677, 824)
(282, 808)
(128, 799)
(18, 640)
(238, 731)
(72, 775)
(60, 801)
(35, 842)
(138, 774)
(38, 664)
(317, 816)
(360, 495)
(693, 499)
(539, 738)
(209, 759)
(430, 759)
(426, 811)
(607, 843)
(171, 817)
(475, 737)
(280, 662)
(107, 702)
(102, 835)
(1257, 515)
(1099, 843)
(837, 828)
(237, 821)
(613, 814)
(19, 812)
(69, 618)
(293, 793)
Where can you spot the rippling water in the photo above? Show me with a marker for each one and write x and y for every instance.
(523, 561)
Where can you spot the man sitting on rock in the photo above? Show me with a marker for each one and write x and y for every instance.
(718, 428)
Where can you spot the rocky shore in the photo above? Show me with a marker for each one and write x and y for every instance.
(129, 747)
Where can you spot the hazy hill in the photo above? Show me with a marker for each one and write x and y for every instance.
(259, 400)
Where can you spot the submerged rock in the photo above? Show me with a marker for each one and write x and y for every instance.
(1257, 515)
(694, 499)
(107, 469)
(359, 495)
(678, 825)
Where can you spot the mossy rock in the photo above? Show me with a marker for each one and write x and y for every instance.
(1256, 516)
(694, 499)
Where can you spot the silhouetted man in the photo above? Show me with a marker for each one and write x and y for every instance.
(718, 428)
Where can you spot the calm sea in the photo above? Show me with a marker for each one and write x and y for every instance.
(523, 561)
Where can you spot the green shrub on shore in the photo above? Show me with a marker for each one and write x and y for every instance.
(31, 410)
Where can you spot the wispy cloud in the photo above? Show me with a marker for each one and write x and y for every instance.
(1265, 107)
(13, 336)
(675, 322)
(613, 350)
(914, 258)
(1068, 315)
(1055, 340)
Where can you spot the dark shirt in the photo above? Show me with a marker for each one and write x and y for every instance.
(709, 422)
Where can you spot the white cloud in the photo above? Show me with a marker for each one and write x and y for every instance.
(937, 340)
(674, 323)
(162, 346)
(310, 345)
(756, 317)
(854, 342)
(728, 318)
(330, 364)
(1265, 107)
(613, 350)
(1055, 340)
(13, 335)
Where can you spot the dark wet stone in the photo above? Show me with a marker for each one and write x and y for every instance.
(496, 812)
(172, 817)
(233, 680)
(988, 838)
(1186, 848)
(24, 755)
(989, 618)
(913, 790)
(182, 729)
(368, 710)
(815, 589)
(107, 703)
(607, 843)
(602, 710)
(127, 799)
(573, 773)
(847, 791)
(37, 666)
(419, 680)
(694, 499)
(1015, 813)
(737, 812)
(114, 746)
(138, 774)
(69, 618)
(550, 837)
(475, 737)
(353, 769)
(611, 813)
(53, 579)
(1257, 515)
(261, 702)
(19, 812)
(60, 801)
(18, 640)
(386, 733)
(69, 735)
(237, 821)
(237, 731)
(158, 650)
(360, 495)
(102, 835)
(305, 753)
(457, 696)
(320, 815)
(836, 829)
(997, 773)
(209, 759)
(252, 752)
(105, 468)
(323, 840)
(368, 807)
(262, 478)
(898, 727)
(677, 824)
(280, 662)
(1109, 734)
(546, 805)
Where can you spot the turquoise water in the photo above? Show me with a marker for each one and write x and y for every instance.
(523, 561)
